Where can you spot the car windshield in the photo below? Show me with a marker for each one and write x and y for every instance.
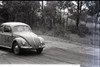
(21, 28)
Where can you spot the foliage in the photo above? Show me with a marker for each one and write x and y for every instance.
(23, 11)
(50, 17)
(92, 5)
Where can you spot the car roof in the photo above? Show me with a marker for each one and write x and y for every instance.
(12, 24)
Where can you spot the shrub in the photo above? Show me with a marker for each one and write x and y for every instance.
(82, 30)
(72, 29)
(59, 30)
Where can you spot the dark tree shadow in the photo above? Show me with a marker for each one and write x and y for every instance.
(5, 49)
(23, 52)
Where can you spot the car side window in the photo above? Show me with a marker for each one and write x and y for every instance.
(1, 28)
(7, 29)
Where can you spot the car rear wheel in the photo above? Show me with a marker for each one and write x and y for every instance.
(16, 49)
(39, 50)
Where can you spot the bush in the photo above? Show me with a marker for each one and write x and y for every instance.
(82, 30)
(58, 30)
(72, 29)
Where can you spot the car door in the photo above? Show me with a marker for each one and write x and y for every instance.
(1, 33)
(7, 36)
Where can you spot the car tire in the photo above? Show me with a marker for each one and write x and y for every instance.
(39, 51)
(16, 49)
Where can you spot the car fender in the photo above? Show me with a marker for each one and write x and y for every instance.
(18, 40)
(41, 39)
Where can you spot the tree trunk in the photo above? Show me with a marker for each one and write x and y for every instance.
(96, 21)
(42, 16)
(77, 20)
(79, 6)
(60, 17)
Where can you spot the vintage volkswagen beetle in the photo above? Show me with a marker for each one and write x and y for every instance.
(18, 36)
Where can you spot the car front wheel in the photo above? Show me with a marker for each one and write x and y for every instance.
(39, 50)
(16, 48)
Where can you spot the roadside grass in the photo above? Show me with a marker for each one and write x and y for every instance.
(85, 35)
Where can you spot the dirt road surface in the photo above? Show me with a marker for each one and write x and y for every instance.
(57, 51)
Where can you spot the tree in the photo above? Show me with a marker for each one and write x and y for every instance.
(3, 14)
(76, 10)
(49, 14)
(62, 5)
(23, 11)
(94, 10)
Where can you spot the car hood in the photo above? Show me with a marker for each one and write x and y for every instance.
(30, 37)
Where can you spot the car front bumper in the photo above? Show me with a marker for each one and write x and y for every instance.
(32, 48)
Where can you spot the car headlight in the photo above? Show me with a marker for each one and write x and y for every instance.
(23, 43)
(41, 40)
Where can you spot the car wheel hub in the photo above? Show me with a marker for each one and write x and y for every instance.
(16, 49)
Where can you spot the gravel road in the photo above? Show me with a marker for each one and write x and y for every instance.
(57, 51)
